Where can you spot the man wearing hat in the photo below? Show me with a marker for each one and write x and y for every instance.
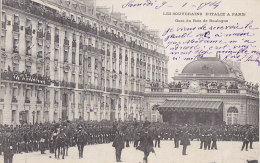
(185, 142)
(80, 140)
(119, 145)
(146, 145)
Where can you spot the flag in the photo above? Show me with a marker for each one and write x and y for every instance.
(91, 110)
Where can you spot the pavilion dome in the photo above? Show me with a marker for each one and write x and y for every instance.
(207, 65)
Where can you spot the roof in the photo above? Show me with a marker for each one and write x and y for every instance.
(189, 105)
(206, 65)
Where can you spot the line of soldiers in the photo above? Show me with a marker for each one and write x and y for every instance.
(40, 137)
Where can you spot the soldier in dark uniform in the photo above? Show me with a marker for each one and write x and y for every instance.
(118, 143)
(185, 142)
(202, 139)
(80, 141)
(214, 140)
(146, 123)
(8, 145)
(176, 139)
(250, 138)
(146, 145)
(157, 139)
(207, 140)
(245, 141)
(136, 138)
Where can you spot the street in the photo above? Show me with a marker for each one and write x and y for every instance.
(104, 153)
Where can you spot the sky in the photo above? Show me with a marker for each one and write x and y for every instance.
(155, 19)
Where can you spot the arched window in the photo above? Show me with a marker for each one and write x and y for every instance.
(232, 115)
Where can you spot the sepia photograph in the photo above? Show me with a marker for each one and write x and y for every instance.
(132, 81)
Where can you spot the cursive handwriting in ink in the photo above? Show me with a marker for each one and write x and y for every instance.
(161, 5)
(235, 41)
(214, 4)
(148, 3)
(132, 3)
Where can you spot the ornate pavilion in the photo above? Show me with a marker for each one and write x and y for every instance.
(207, 90)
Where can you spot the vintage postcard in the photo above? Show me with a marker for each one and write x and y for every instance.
(133, 81)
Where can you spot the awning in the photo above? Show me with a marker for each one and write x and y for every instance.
(191, 106)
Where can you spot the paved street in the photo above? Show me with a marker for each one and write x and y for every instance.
(228, 152)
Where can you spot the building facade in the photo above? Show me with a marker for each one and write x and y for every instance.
(207, 90)
(63, 59)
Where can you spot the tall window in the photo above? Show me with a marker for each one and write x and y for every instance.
(232, 115)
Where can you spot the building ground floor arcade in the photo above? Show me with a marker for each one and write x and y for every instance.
(24, 103)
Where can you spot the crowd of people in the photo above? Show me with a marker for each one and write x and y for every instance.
(144, 136)
(214, 85)
(24, 76)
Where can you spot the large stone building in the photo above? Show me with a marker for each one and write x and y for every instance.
(207, 90)
(66, 59)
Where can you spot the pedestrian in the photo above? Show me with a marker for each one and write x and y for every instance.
(202, 139)
(158, 139)
(185, 142)
(214, 140)
(146, 145)
(250, 138)
(245, 141)
(207, 140)
(176, 139)
(80, 140)
(118, 143)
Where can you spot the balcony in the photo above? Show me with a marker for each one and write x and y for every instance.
(52, 15)
(27, 101)
(117, 91)
(136, 93)
(64, 84)
(175, 89)
(72, 85)
(39, 102)
(80, 86)
(157, 89)
(213, 90)
(108, 89)
(30, 78)
(56, 83)
(233, 91)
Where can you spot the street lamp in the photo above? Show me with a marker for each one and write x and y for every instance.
(140, 114)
